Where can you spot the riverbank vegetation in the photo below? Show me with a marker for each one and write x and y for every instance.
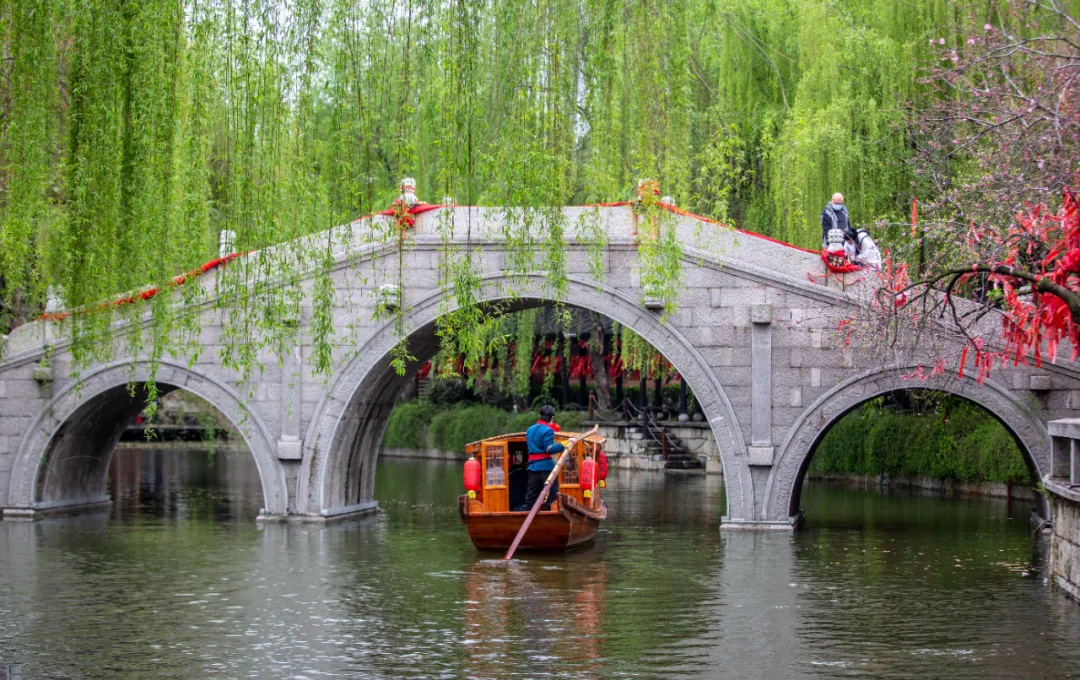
(927, 436)
(917, 434)
(424, 424)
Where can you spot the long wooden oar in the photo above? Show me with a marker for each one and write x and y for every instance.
(547, 487)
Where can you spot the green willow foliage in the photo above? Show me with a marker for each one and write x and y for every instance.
(132, 133)
(961, 442)
(29, 144)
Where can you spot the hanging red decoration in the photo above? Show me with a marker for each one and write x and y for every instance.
(914, 215)
(615, 365)
(149, 292)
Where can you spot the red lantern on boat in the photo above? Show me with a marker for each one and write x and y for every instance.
(587, 476)
(472, 477)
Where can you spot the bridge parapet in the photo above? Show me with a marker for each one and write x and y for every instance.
(750, 253)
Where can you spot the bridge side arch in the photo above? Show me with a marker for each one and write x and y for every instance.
(337, 471)
(63, 458)
(782, 492)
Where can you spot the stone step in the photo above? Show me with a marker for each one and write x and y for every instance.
(423, 387)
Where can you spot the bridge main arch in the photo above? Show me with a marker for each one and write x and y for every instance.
(782, 492)
(337, 473)
(63, 459)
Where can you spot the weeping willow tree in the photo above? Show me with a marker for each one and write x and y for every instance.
(132, 134)
(513, 347)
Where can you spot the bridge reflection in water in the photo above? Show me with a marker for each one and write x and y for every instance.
(184, 482)
(180, 583)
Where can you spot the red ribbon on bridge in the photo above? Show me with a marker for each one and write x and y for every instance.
(405, 219)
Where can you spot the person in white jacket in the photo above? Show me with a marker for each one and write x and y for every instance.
(863, 251)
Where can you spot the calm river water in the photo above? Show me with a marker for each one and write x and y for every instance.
(180, 582)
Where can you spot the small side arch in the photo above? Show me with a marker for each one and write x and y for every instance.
(337, 468)
(781, 500)
(63, 458)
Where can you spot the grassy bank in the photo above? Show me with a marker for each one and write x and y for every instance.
(422, 424)
(955, 441)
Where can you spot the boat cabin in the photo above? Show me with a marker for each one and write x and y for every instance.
(504, 462)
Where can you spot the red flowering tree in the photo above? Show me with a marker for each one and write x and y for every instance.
(1026, 279)
(996, 255)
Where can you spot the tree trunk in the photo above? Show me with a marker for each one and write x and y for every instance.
(600, 376)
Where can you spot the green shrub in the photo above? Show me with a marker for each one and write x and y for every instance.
(519, 422)
(960, 442)
(571, 421)
(1000, 459)
(450, 429)
(407, 428)
(449, 391)
(422, 424)
(470, 424)
(439, 425)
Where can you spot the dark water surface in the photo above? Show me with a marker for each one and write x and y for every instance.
(180, 582)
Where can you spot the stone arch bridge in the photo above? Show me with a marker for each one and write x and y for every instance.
(755, 335)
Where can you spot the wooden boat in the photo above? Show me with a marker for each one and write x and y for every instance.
(573, 518)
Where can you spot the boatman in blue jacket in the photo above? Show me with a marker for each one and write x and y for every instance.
(543, 448)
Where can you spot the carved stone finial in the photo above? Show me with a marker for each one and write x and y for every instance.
(226, 242)
(835, 240)
(647, 187)
(54, 301)
(408, 192)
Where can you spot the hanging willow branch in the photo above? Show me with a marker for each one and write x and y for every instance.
(132, 135)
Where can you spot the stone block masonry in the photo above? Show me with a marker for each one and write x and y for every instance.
(753, 335)
(1065, 539)
(1062, 484)
(627, 448)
